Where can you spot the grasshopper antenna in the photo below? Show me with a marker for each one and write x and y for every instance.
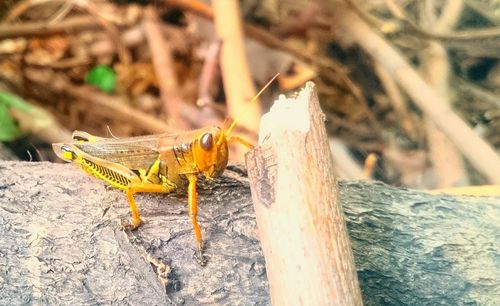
(111, 133)
(233, 124)
(40, 156)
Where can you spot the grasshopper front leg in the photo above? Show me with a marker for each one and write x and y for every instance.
(193, 214)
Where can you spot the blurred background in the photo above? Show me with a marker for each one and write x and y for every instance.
(410, 89)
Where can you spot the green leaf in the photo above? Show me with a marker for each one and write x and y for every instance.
(8, 128)
(10, 100)
(103, 77)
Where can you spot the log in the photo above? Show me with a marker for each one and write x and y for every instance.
(301, 225)
(61, 243)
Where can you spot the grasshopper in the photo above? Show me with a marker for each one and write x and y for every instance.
(155, 163)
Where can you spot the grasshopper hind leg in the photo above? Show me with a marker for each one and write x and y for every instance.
(137, 187)
(136, 217)
(117, 176)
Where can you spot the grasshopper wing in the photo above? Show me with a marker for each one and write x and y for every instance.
(133, 152)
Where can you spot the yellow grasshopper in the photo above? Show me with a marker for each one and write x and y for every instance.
(155, 163)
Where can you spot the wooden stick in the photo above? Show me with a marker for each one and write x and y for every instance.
(397, 101)
(435, 68)
(301, 225)
(31, 29)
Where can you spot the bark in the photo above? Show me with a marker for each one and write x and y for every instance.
(61, 244)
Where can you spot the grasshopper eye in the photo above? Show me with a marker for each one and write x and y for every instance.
(206, 141)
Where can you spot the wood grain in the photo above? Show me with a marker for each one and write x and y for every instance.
(301, 226)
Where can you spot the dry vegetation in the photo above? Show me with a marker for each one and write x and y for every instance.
(414, 82)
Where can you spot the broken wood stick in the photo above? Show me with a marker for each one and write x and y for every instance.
(301, 226)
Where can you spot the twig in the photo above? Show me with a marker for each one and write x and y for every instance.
(395, 9)
(397, 100)
(266, 38)
(208, 74)
(163, 62)
(19, 8)
(111, 29)
(479, 153)
(22, 6)
(63, 11)
(238, 84)
(487, 38)
(464, 86)
(450, 15)
(31, 29)
(66, 63)
(447, 161)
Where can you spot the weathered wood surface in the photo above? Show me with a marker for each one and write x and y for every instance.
(60, 244)
(412, 248)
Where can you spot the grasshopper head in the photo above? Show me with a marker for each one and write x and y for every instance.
(210, 146)
(210, 152)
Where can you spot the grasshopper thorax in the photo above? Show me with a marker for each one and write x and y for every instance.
(210, 152)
